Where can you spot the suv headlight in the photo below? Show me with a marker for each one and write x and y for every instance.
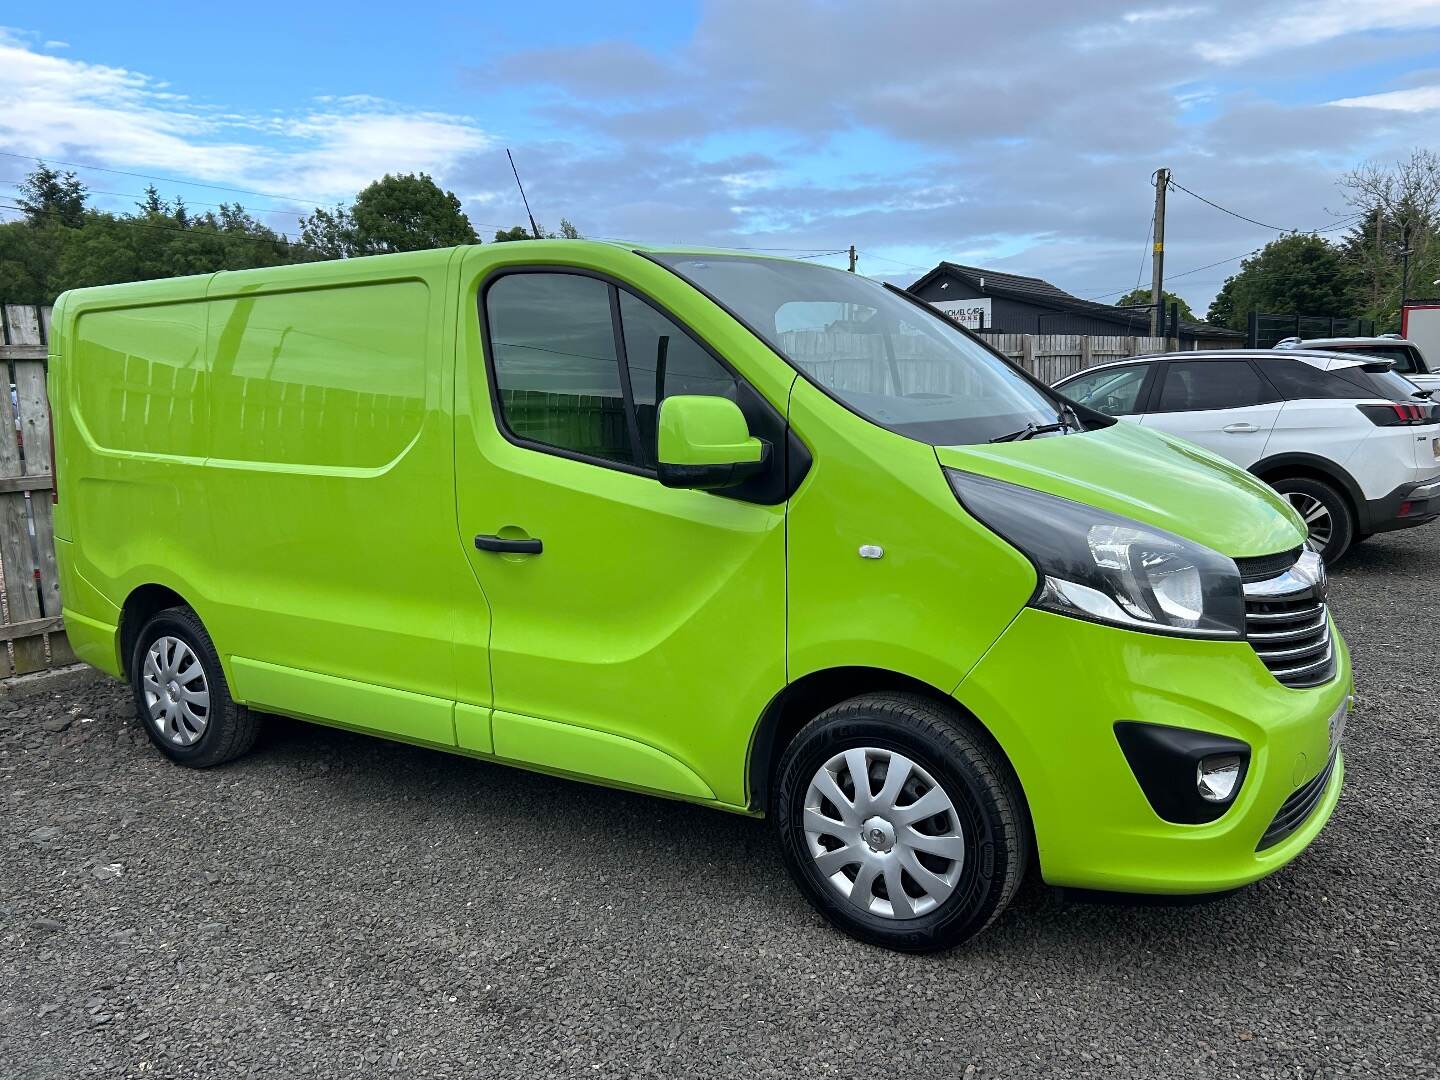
(1106, 568)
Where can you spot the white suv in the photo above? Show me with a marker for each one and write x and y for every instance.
(1409, 360)
(1354, 447)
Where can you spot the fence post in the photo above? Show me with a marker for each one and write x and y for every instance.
(1252, 330)
(1085, 355)
(1027, 353)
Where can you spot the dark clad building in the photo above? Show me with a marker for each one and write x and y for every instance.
(1013, 304)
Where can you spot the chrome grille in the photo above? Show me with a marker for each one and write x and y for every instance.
(1288, 624)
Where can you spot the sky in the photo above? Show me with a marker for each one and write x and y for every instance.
(1017, 136)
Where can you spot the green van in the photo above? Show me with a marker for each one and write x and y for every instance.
(748, 532)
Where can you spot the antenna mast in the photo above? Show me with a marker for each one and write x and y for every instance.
(534, 229)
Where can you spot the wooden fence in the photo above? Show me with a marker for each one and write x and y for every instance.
(32, 629)
(1050, 357)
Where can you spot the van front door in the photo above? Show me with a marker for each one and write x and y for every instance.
(638, 631)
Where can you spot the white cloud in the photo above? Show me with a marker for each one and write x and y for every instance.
(1310, 22)
(67, 109)
(1416, 99)
(1162, 14)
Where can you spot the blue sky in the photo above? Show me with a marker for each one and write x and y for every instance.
(1014, 136)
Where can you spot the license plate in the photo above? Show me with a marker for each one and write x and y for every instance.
(1337, 726)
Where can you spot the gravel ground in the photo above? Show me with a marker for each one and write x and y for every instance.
(334, 905)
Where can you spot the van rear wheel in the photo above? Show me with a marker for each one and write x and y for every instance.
(900, 824)
(181, 694)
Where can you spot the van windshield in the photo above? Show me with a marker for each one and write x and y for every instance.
(879, 354)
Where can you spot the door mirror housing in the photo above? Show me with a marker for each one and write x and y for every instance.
(703, 442)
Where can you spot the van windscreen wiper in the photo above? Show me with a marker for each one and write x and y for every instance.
(1030, 430)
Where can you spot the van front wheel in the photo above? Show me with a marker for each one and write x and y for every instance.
(902, 826)
(181, 694)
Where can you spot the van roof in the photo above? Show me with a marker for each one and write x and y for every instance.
(196, 286)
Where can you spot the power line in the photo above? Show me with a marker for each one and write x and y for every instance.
(1243, 255)
(281, 241)
(302, 201)
(1232, 213)
(1140, 270)
(133, 195)
(162, 179)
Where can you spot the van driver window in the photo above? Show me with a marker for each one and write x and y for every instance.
(556, 367)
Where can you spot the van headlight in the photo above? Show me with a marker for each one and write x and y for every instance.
(1102, 567)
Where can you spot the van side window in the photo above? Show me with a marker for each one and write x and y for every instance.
(556, 367)
(664, 360)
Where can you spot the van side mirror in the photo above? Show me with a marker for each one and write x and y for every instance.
(703, 442)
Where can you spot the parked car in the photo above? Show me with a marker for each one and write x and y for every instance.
(1409, 359)
(747, 532)
(1352, 446)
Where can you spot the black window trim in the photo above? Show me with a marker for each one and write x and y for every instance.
(614, 286)
(1159, 386)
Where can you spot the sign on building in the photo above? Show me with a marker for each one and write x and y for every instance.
(971, 314)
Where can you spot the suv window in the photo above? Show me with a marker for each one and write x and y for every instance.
(1198, 385)
(1297, 381)
(1115, 391)
(565, 381)
(556, 367)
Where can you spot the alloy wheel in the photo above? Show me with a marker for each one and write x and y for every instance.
(1317, 517)
(883, 833)
(177, 695)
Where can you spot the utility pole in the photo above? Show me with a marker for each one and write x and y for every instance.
(1405, 256)
(852, 258)
(1161, 180)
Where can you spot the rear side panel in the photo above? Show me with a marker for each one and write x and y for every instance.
(131, 392)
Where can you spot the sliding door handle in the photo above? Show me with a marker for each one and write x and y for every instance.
(528, 546)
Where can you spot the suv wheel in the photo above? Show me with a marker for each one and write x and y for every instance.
(181, 693)
(1326, 512)
(902, 826)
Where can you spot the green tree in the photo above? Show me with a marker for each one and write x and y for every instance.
(1299, 273)
(1138, 297)
(47, 195)
(395, 213)
(55, 248)
(1400, 204)
(521, 232)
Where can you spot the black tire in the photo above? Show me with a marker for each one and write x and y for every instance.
(229, 729)
(1336, 506)
(987, 801)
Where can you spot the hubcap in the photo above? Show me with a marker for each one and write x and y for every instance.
(1317, 518)
(883, 833)
(177, 695)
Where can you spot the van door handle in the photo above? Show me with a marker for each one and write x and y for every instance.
(487, 542)
(1240, 429)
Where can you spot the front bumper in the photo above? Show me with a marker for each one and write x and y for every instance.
(1051, 690)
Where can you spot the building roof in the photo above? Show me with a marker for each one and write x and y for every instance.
(1038, 291)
